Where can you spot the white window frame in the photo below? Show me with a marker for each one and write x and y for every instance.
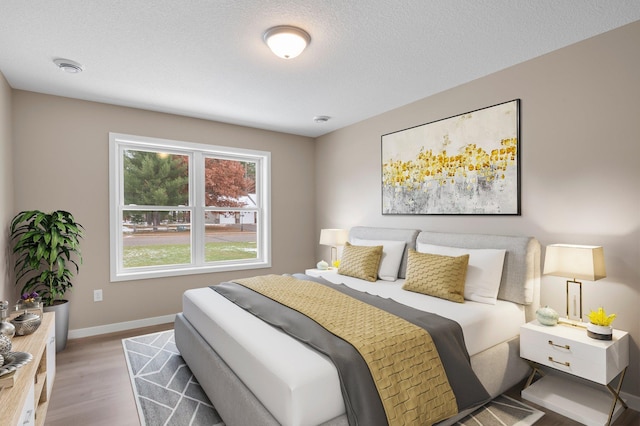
(119, 142)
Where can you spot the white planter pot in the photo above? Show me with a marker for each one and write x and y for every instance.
(599, 332)
(61, 309)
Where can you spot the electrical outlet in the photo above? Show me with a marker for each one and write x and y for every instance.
(97, 295)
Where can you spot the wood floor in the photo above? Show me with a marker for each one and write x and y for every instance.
(92, 386)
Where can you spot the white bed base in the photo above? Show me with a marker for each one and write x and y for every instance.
(498, 368)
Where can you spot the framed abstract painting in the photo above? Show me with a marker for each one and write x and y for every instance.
(468, 164)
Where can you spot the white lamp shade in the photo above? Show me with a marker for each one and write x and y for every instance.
(286, 42)
(333, 237)
(575, 261)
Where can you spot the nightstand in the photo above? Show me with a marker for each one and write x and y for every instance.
(568, 349)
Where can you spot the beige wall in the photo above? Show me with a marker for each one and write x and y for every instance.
(580, 147)
(7, 291)
(61, 162)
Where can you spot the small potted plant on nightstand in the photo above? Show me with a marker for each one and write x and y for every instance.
(46, 247)
(599, 326)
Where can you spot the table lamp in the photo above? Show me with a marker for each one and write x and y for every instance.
(575, 262)
(333, 238)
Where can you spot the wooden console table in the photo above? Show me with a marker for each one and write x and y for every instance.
(26, 402)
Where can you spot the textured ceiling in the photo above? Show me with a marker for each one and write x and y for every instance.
(206, 59)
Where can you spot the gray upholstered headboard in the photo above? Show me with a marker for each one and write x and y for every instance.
(372, 233)
(521, 271)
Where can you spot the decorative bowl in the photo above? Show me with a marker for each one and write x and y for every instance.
(547, 316)
(599, 332)
(26, 323)
(5, 345)
(13, 361)
(7, 329)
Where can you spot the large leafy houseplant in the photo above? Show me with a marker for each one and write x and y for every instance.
(47, 250)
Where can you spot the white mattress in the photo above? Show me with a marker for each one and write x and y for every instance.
(300, 386)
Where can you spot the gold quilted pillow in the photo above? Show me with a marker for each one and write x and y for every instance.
(437, 275)
(360, 261)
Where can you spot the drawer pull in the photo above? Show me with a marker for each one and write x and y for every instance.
(566, 364)
(567, 347)
(27, 419)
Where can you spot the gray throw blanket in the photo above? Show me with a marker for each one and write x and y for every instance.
(362, 402)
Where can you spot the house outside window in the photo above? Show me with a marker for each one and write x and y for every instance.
(182, 208)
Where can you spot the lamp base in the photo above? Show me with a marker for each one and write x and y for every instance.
(572, 323)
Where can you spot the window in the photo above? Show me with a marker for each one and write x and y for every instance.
(184, 208)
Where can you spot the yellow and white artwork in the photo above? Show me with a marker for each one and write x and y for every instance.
(466, 164)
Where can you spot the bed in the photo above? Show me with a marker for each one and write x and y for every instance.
(257, 375)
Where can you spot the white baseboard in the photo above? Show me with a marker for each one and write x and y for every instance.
(120, 326)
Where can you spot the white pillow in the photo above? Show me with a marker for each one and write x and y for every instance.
(484, 271)
(392, 252)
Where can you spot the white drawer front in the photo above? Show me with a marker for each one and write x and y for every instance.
(28, 416)
(577, 358)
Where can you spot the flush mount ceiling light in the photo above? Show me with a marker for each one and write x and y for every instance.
(68, 65)
(285, 41)
(321, 118)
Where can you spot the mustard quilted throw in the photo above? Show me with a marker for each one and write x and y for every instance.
(403, 360)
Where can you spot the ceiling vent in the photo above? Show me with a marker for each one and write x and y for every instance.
(69, 66)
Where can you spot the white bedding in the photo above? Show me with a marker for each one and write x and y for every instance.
(289, 378)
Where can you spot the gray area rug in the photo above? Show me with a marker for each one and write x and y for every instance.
(167, 393)
(502, 411)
